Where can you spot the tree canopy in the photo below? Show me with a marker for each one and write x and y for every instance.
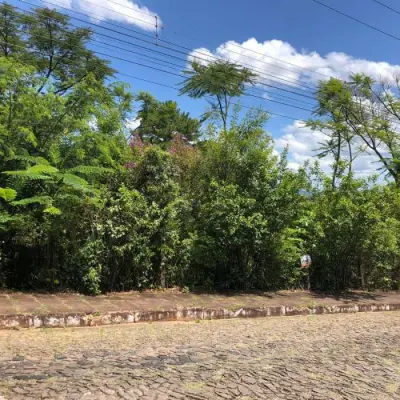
(221, 80)
(360, 116)
(160, 121)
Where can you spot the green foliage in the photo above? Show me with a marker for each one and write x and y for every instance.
(221, 80)
(44, 200)
(230, 237)
(10, 22)
(89, 170)
(52, 210)
(359, 116)
(8, 194)
(123, 235)
(160, 121)
(85, 206)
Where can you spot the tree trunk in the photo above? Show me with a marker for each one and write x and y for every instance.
(163, 273)
(362, 274)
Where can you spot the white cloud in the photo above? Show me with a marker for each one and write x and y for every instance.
(132, 123)
(304, 144)
(125, 11)
(263, 58)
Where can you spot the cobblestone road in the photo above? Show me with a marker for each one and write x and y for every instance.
(318, 357)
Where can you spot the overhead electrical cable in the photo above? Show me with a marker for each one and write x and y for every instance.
(173, 64)
(386, 6)
(176, 89)
(166, 54)
(196, 52)
(357, 20)
(251, 50)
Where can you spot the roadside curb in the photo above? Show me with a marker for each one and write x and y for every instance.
(56, 320)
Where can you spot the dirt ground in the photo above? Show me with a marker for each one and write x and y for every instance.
(24, 303)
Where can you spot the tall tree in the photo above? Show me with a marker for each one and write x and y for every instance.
(59, 52)
(363, 116)
(10, 23)
(222, 80)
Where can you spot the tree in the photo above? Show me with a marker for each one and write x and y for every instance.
(55, 90)
(60, 53)
(160, 121)
(236, 208)
(154, 177)
(10, 35)
(229, 237)
(360, 116)
(61, 130)
(222, 80)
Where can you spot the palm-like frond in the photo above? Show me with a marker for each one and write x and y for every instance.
(44, 200)
(8, 194)
(89, 170)
(74, 181)
(30, 159)
(42, 169)
(52, 210)
(27, 175)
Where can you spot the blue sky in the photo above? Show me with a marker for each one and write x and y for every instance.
(300, 32)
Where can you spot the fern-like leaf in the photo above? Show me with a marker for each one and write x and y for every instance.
(42, 169)
(44, 200)
(8, 194)
(75, 181)
(30, 159)
(28, 175)
(5, 217)
(89, 170)
(52, 210)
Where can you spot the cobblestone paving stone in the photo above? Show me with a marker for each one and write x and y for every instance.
(317, 357)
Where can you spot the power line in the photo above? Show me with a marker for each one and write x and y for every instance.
(278, 59)
(126, 16)
(357, 20)
(183, 76)
(171, 87)
(164, 47)
(263, 98)
(168, 62)
(235, 104)
(92, 16)
(164, 61)
(176, 89)
(143, 65)
(249, 94)
(386, 6)
(179, 66)
(254, 69)
(253, 51)
(274, 58)
(168, 72)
